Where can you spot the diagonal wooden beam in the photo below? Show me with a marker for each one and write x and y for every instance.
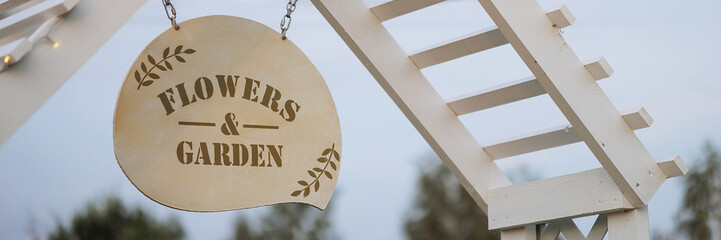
(531, 33)
(414, 95)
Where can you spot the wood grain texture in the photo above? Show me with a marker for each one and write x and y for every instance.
(546, 200)
(23, 89)
(578, 96)
(414, 95)
(395, 8)
(569, 196)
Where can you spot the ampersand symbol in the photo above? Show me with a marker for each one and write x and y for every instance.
(230, 126)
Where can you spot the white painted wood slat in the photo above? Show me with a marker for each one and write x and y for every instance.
(395, 8)
(552, 137)
(7, 5)
(551, 199)
(506, 93)
(459, 47)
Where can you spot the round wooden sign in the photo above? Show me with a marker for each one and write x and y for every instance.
(222, 114)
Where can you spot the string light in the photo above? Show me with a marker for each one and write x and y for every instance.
(52, 42)
(7, 59)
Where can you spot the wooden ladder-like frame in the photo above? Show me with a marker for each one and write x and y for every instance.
(622, 188)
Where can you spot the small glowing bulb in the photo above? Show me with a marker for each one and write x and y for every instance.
(53, 42)
(7, 59)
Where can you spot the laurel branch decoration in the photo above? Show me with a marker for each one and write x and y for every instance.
(142, 82)
(329, 157)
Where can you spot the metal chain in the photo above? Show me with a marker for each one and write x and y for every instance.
(166, 4)
(290, 7)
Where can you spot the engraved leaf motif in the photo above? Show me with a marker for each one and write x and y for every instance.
(336, 155)
(162, 65)
(317, 173)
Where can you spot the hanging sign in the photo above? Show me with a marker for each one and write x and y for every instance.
(223, 114)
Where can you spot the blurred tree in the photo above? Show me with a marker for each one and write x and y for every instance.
(443, 209)
(114, 221)
(701, 210)
(288, 221)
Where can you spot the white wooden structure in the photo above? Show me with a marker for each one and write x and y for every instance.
(76, 36)
(621, 189)
(619, 192)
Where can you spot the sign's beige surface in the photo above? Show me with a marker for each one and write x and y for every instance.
(223, 114)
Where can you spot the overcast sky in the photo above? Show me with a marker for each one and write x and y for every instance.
(665, 55)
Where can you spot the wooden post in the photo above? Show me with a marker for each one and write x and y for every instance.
(629, 224)
(522, 233)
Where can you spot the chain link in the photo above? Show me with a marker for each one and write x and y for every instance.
(290, 7)
(166, 4)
